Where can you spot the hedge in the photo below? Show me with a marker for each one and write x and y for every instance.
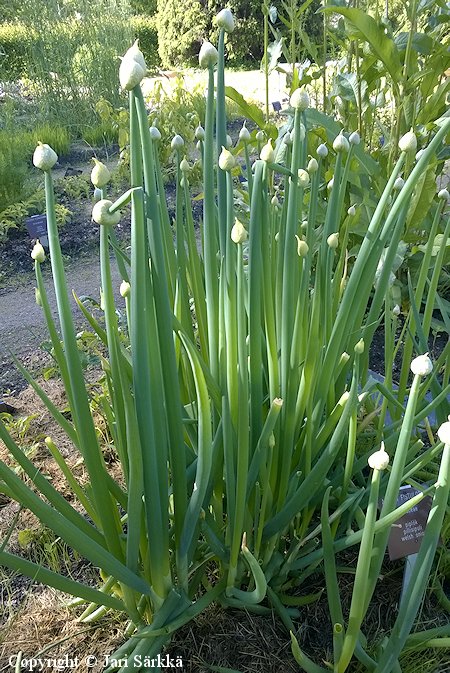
(16, 44)
(181, 29)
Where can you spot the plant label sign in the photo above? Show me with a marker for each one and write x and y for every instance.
(37, 228)
(407, 532)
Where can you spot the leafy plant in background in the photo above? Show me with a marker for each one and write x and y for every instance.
(412, 62)
(13, 217)
(175, 111)
(239, 398)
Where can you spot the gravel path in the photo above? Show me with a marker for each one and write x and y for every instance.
(22, 324)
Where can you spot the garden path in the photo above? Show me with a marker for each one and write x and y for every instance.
(23, 328)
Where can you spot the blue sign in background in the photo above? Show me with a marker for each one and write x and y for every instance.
(37, 228)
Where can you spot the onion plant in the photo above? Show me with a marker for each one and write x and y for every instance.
(239, 392)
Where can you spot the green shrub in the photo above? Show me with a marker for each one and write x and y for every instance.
(16, 43)
(180, 31)
(145, 30)
(147, 7)
(245, 44)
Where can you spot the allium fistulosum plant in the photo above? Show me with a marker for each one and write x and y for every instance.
(239, 392)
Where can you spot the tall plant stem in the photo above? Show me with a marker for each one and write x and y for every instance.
(324, 74)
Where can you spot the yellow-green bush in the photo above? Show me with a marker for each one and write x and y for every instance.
(16, 44)
(180, 31)
(145, 30)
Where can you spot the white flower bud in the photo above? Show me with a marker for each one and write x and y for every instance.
(101, 214)
(38, 253)
(226, 160)
(155, 133)
(302, 247)
(125, 289)
(303, 178)
(422, 365)
(267, 152)
(341, 143)
(199, 133)
(136, 55)
(396, 310)
(354, 138)
(260, 136)
(97, 194)
(100, 175)
(313, 166)
(208, 55)
(184, 165)
(322, 151)
(408, 142)
(229, 142)
(177, 142)
(351, 211)
(443, 194)
(225, 20)
(444, 432)
(419, 154)
(131, 73)
(244, 134)
(275, 202)
(399, 184)
(287, 139)
(330, 184)
(299, 100)
(380, 459)
(44, 157)
(333, 240)
(238, 232)
(359, 347)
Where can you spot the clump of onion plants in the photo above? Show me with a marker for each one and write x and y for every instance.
(239, 391)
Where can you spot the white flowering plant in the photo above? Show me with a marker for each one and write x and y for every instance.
(238, 394)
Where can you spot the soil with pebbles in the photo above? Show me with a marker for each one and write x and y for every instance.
(22, 328)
